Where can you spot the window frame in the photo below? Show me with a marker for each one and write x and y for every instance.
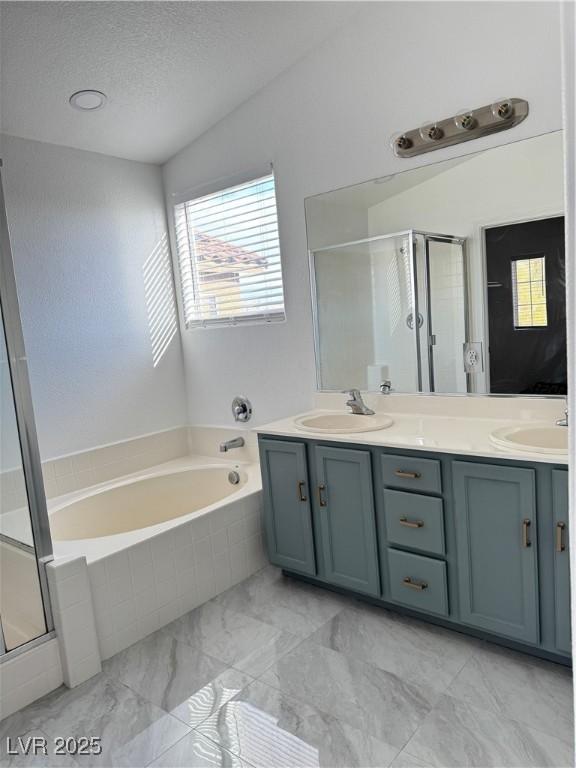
(514, 285)
(215, 188)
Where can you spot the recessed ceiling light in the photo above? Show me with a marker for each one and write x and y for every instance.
(88, 101)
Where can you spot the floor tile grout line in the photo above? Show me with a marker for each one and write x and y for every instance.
(522, 723)
(187, 644)
(153, 703)
(195, 727)
(184, 736)
(298, 701)
(225, 749)
(438, 697)
(171, 713)
(464, 704)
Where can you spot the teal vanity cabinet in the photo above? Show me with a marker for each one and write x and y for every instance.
(561, 560)
(476, 544)
(497, 548)
(347, 523)
(287, 510)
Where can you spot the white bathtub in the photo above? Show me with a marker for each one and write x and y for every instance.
(160, 542)
(106, 518)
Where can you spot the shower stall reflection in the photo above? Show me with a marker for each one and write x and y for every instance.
(391, 308)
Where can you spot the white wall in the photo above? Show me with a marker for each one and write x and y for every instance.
(326, 123)
(82, 226)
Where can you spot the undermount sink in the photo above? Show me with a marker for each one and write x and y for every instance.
(342, 423)
(532, 438)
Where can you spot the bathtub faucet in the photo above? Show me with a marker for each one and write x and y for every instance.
(236, 442)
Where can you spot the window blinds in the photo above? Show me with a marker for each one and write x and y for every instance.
(229, 256)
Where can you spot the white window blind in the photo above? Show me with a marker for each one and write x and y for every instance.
(229, 256)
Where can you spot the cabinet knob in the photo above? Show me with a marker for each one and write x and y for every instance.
(301, 495)
(321, 499)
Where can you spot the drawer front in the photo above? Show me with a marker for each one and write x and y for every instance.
(412, 473)
(418, 582)
(414, 521)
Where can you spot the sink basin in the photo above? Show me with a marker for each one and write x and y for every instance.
(533, 438)
(341, 423)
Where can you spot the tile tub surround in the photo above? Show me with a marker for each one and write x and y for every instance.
(143, 587)
(29, 676)
(80, 470)
(70, 473)
(458, 425)
(74, 619)
(185, 696)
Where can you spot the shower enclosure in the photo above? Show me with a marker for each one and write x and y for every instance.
(25, 543)
(392, 307)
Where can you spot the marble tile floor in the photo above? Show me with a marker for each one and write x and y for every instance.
(275, 673)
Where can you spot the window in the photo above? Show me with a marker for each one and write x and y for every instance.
(229, 256)
(529, 292)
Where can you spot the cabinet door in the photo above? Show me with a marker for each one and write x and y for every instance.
(497, 548)
(561, 560)
(287, 511)
(345, 504)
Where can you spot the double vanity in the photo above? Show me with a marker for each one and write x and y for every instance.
(446, 501)
(451, 509)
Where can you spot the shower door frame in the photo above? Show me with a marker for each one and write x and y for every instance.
(453, 240)
(409, 235)
(405, 233)
(22, 398)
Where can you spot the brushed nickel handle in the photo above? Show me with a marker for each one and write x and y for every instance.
(419, 585)
(301, 495)
(411, 523)
(321, 499)
(560, 528)
(525, 533)
(406, 474)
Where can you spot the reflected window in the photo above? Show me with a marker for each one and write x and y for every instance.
(529, 292)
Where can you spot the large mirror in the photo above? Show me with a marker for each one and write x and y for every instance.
(448, 278)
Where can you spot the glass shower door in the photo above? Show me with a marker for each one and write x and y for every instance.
(446, 278)
(25, 544)
(364, 311)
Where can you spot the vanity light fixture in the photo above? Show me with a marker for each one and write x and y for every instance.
(88, 101)
(499, 116)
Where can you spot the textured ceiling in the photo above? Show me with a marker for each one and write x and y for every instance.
(170, 69)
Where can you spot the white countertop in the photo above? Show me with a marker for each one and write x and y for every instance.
(441, 432)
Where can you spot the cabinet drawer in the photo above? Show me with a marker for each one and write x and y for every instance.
(412, 473)
(419, 582)
(414, 521)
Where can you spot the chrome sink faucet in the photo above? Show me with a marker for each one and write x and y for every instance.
(563, 422)
(356, 403)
